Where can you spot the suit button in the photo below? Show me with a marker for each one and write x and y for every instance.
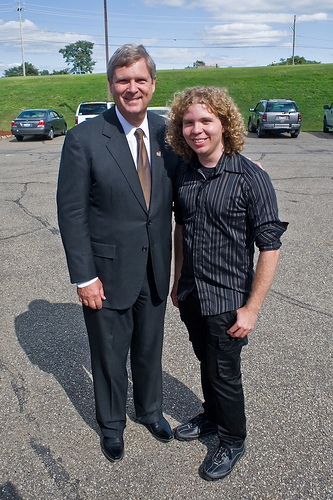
(144, 249)
(149, 222)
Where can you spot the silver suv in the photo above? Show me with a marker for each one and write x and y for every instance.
(328, 117)
(275, 115)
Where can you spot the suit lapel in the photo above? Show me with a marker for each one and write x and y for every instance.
(157, 164)
(120, 151)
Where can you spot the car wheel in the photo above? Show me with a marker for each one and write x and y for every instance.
(19, 138)
(64, 130)
(294, 134)
(325, 127)
(50, 135)
(250, 126)
(260, 131)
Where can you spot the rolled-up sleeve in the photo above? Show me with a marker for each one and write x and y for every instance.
(263, 214)
(267, 236)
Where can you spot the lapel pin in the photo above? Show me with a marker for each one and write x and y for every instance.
(158, 153)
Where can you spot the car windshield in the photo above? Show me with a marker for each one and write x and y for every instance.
(92, 109)
(281, 107)
(33, 113)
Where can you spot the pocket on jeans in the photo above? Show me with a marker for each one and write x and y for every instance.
(223, 364)
(223, 350)
(217, 330)
(229, 367)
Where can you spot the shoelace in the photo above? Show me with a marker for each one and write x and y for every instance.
(193, 423)
(221, 454)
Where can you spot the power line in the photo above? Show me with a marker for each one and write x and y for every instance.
(202, 47)
(85, 14)
(174, 42)
(312, 38)
(76, 16)
(125, 16)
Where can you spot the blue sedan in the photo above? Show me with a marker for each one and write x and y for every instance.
(38, 122)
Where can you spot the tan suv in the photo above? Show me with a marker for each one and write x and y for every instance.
(87, 110)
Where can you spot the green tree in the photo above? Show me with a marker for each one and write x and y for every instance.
(44, 72)
(297, 60)
(30, 70)
(78, 55)
(60, 72)
(198, 63)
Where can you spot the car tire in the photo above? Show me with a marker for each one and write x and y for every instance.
(294, 134)
(250, 126)
(325, 127)
(50, 135)
(19, 138)
(260, 131)
(64, 130)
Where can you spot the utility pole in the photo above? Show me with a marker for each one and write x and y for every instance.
(23, 63)
(294, 36)
(106, 44)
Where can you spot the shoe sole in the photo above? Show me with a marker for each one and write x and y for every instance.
(208, 477)
(180, 438)
(161, 440)
(111, 459)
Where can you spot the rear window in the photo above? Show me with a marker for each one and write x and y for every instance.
(33, 114)
(92, 108)
(281, 107)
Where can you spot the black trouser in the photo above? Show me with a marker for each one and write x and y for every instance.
(220, 363)
(111, 334)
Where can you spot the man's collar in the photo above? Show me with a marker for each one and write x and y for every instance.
(130, 129)
(229, 163)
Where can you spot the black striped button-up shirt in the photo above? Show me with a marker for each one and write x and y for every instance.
(223, 216)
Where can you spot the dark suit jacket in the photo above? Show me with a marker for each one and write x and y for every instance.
(103, 220)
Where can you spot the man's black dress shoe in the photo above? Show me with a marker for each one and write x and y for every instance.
(223, 461)
(198, 426)
(161, 430)
(113, 448)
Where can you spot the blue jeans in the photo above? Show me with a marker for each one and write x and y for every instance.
(220, 364)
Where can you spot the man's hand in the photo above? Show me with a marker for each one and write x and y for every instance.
(178, 262)
(263, 278)
(173, 295)
(246, 319)
(92, 295)
(256, 163)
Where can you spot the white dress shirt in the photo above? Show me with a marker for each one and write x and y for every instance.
(131, 139)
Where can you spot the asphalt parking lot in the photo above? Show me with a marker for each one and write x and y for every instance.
(49, 445)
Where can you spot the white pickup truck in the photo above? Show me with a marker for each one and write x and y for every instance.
(87, 110)
(328, 117)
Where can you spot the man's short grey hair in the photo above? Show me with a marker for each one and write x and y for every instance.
(128, 54)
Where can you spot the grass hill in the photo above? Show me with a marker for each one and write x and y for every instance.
(311, 86)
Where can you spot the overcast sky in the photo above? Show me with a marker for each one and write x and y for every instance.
(175, 32)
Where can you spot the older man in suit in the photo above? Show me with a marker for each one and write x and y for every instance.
(116, 233)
